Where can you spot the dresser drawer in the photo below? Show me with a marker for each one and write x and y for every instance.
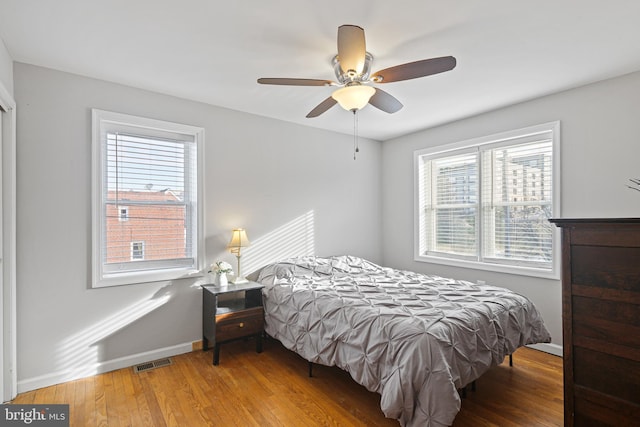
(239, 324)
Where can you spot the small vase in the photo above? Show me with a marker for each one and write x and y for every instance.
(221, 279)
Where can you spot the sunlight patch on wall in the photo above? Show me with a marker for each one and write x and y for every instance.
(79, 355)
(295, 238)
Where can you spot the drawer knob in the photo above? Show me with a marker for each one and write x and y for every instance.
(241, 325)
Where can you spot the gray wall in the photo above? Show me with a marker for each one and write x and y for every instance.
(295, 189)
(600, 145)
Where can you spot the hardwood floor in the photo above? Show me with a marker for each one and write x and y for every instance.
(273, 389)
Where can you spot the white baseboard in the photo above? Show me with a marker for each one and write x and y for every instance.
(100, 367)
(554, 349)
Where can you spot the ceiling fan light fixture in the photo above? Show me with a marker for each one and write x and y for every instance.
(353, 97)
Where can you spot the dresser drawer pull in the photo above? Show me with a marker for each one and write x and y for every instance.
(241, 325)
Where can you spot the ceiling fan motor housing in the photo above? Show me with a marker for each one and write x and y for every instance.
(347, 76)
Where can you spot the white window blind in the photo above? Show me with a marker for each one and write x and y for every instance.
(453, 204)
(486, 203)
(146, 213)
(517, 203)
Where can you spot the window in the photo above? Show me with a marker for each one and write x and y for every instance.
(137, 250)
(123, 213)
(496, 220)
(146, 201)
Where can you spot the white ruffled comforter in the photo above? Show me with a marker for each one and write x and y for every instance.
(413, 338)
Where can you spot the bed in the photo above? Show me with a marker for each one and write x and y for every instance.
(413, 338)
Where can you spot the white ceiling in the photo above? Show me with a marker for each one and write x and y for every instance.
(213, 51)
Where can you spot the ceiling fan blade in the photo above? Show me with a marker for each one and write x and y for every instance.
(295, 82)
(385, 102)
(413, 70)
(351, 48)
(322, 107)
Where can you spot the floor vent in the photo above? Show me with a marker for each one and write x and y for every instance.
(147, 366)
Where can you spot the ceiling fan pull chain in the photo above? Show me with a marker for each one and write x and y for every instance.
(356, 148)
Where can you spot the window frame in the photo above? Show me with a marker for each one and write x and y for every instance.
(507, 138)
(103, 121)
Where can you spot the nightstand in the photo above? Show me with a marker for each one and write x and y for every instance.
(231, 312)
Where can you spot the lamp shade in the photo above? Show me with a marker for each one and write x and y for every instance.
(239, 240)
(353, 97)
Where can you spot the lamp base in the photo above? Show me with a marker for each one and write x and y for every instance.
(238, 280)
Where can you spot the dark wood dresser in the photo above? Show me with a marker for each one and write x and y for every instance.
(601, 321)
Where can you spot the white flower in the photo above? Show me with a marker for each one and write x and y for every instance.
(221, 267)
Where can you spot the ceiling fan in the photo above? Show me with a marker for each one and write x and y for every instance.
(352, 67)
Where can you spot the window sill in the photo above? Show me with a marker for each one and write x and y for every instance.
(122, 279)
(497, 268)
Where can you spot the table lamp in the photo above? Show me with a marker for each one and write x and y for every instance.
(238, 241)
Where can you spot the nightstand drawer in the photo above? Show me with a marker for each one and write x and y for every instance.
(239, 324)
